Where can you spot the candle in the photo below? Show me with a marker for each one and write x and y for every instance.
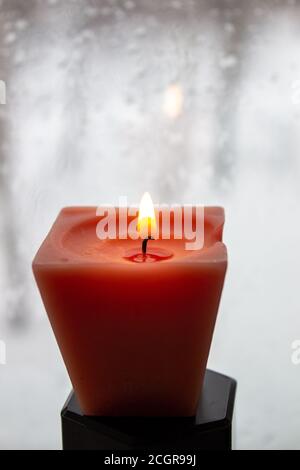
(134, 326)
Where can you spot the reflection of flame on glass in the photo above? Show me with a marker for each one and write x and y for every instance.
(173, 101)
(146, 219)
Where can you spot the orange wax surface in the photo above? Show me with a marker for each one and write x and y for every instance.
(135, 336)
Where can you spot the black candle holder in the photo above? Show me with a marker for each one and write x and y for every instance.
(210, 429)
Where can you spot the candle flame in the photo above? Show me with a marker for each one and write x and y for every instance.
(146, 220)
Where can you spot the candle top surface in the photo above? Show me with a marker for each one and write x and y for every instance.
(73, 240)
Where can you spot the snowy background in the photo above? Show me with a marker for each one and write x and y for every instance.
(87, 120)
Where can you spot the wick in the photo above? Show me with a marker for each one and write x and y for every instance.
(144, 245)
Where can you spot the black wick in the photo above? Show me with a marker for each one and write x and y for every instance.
(144, 244)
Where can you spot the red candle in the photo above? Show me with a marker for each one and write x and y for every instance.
(134, 331)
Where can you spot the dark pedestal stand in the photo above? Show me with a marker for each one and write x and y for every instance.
(210, 429)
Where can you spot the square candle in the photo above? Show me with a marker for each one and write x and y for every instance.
(134, 336)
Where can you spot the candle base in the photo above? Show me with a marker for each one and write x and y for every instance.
(210, 429)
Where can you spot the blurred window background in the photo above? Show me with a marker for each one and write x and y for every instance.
(196, 101)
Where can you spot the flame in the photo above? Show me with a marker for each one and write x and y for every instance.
(173, 101)
(146, 225)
